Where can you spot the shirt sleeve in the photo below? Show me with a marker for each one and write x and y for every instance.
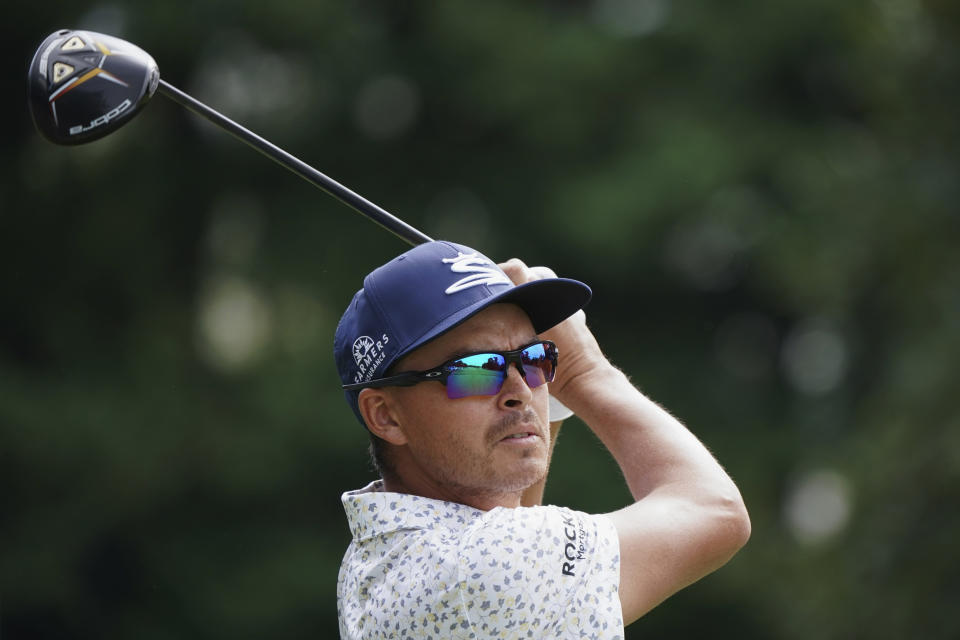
(543, 571)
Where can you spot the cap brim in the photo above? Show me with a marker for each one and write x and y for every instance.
(547, 302)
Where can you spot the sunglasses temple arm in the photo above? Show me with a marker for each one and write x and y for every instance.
(401, 380)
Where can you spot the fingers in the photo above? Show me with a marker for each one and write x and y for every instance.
(516, 270)
(543, 272)
(520, 273)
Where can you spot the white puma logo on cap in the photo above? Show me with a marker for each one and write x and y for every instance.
(480, 272)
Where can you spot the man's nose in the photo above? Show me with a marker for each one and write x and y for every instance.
(515, 391)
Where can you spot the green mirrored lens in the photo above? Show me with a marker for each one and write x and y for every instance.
(476, 375)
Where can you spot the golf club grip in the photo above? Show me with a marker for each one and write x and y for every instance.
(360, 204)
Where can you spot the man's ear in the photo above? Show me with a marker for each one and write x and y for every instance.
(378, 411)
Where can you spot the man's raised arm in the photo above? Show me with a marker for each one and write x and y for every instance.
(689, 518)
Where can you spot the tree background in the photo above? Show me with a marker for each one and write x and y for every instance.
(763, 196)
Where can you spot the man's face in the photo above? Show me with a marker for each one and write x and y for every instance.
(462, 449)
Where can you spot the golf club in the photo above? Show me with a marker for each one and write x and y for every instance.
(84, 85)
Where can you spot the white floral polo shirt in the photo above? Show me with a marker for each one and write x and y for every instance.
(422, 568)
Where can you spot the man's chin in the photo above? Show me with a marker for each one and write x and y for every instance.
(523, 475)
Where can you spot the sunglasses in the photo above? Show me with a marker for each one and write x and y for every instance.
(479, 374)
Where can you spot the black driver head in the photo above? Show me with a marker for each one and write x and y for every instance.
(84, 85)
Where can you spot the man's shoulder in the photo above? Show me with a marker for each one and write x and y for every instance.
(547, 520)
(373, 512)
(548, 540)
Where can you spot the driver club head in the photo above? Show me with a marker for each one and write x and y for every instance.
(84, 85)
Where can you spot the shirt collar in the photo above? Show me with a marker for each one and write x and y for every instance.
(371, 511)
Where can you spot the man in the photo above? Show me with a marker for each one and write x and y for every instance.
(447, 359)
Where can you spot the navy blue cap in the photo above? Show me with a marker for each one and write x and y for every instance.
(427, 291)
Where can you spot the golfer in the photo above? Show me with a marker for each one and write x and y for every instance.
(449, 361)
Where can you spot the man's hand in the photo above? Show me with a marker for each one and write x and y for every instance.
(579, 351)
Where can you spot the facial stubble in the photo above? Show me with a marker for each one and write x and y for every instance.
(463, 473)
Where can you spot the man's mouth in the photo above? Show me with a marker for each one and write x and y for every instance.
(518, 429)
(520, 436)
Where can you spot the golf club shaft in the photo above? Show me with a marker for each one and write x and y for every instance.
(360, 204)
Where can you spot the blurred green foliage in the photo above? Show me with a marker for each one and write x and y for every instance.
(763, 196)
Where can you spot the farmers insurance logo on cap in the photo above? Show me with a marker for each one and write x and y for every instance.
(368, 354)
